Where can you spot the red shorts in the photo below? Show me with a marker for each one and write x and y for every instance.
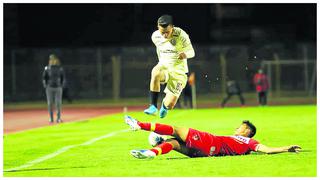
(205, 142)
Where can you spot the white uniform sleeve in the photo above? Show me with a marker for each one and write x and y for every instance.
(155, 41)
(187, 46)
(153, 38)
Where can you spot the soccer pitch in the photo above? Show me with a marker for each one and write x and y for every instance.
(100, 146)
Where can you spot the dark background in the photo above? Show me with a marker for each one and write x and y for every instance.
(87, 36)
(72, 25)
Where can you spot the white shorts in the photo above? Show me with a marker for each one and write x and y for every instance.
(176, 82)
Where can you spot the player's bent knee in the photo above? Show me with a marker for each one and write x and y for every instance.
(181, 133)
(174, 142)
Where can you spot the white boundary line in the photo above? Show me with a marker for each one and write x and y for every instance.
(66, 148)
(62, 150)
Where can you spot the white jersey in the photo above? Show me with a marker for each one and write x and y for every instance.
(168, 50)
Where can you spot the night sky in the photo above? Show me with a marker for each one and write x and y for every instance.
(76, 25)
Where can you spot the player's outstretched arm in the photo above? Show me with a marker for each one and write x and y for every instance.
(274, 150)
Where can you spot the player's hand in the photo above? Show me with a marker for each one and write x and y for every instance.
(182, 56)
(294, 148)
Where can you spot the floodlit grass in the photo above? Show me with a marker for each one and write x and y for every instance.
(109, 157)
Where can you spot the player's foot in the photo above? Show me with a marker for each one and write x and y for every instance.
(163, 111)
(143, 154)
(156, 139)
(151, 110)
(133, 123)
(59, 121)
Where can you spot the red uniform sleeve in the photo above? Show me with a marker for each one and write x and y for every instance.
(253, 144)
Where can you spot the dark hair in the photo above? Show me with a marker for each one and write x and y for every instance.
(253, 129)
(165, 20)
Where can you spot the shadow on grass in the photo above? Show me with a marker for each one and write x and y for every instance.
(177, 158)
(252, 154)
(45, 169)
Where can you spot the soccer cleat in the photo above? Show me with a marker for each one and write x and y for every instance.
(151, 110)
(156, 139)
(133, 123)
(163, 111)
(59, 121)
(143, 154)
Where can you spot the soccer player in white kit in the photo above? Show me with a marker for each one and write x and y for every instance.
(173, 49)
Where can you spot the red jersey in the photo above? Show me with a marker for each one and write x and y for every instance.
(261, 82)
(212, 145)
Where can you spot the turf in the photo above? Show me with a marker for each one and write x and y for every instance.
(109, 157)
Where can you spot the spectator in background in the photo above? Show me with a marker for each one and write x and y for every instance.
(233, 88)
(53, 79)
(187, 93)
(260, 80)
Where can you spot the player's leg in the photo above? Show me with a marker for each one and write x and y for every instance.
(225, 100)
(162, 129)
(182, 148)
(168, 103)
(175, 85)
(260, 98)
(189, 95)
(58, 101)
(157, 76)
(264, 98)
(241, 99)
(163, 148)
(50, 101)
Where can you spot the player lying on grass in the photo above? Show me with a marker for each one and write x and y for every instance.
(194, 143)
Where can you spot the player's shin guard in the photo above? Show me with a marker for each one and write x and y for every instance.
(162, 129)
(163, 148)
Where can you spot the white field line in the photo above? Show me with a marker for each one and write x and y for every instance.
(66, 148)
(62, 150)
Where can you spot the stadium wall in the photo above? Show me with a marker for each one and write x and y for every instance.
(90, 71)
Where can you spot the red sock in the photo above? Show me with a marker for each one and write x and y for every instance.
(163, 148)
(145, 126)
(162, 129)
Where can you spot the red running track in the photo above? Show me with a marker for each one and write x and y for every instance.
(19, 120)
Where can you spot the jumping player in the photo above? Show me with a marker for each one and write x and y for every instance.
(173, 49)
(194, 143)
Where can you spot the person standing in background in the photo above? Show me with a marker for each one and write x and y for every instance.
(233, 88)
(53, 79)
(261, 82)
(187, 92)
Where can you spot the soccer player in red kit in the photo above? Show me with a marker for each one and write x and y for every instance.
(194, 143)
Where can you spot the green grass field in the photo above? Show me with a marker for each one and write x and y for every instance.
(98, 147)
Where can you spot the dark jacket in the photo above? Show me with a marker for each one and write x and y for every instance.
(53, 76)
(233, 87)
